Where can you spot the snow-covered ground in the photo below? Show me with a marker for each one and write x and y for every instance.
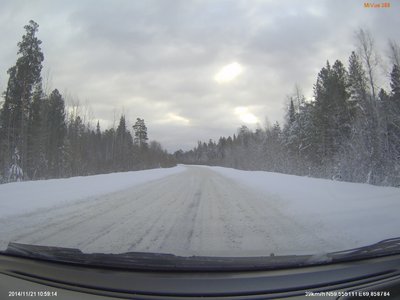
(198, 210)
(23, 197)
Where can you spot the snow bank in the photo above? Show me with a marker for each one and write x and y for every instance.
(362, 212)
(23, 197)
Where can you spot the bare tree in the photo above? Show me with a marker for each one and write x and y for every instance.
(366, 49)
(47, 82)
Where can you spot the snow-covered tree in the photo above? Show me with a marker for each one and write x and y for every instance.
(15, 173)
(393, 124)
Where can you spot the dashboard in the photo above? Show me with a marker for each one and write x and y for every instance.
(40, 279)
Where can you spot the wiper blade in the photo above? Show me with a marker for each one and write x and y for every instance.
(168, 262)
(156, 261)
(382, 248)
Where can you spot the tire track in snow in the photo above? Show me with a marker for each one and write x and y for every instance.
(196, 212)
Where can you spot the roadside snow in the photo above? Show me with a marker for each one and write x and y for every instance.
(24, 197)
(364, 213)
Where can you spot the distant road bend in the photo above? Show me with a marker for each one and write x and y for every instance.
(195, 212)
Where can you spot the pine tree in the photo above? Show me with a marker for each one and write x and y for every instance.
(18, 97)
(140, 130)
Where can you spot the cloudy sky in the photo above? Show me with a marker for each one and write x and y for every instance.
(193, 70)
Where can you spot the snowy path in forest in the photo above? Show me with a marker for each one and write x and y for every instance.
(195, 212)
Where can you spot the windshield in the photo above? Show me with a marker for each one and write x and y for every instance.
(230, 129)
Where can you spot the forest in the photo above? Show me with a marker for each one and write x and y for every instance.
(349, 130)
(40, 138)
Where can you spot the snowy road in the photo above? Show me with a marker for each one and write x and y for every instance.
(195, 212)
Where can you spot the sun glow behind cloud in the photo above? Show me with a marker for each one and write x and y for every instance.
(174, 118)
(245, 115)
(228, 72)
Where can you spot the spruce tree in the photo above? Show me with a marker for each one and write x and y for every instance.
(332, 114)
(356, 155)
(121, 146)
(99, 150)
(56, 128)
(393, 126)
(36, 135)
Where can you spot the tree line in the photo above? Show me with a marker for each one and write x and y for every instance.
(349, 131)
(40, 138)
